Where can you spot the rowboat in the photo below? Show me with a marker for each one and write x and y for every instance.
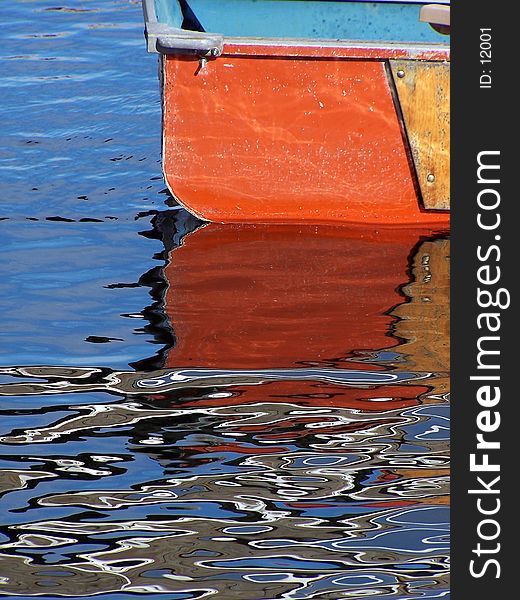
(305, 110)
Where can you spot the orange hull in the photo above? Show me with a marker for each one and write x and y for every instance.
(292, 134)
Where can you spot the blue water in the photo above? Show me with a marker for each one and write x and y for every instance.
(122, 478)
(79, 176)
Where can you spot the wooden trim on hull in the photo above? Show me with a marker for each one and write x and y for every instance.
(423, 92)
(293, 134)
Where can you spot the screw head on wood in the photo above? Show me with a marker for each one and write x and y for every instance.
(400, 73)
(430, 178)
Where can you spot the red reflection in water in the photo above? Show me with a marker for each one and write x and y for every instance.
(264, 296)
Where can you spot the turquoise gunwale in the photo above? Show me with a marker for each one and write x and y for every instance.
(382, 20)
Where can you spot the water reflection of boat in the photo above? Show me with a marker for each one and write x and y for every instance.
(269, 121)
(250, 297)
(320, 316)
(188, 481)
(423, 322)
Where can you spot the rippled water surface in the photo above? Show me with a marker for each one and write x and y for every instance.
(191, 410)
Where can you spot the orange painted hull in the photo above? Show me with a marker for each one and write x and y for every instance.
(267, 134)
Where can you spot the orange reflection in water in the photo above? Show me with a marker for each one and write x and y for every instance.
(288, 296)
